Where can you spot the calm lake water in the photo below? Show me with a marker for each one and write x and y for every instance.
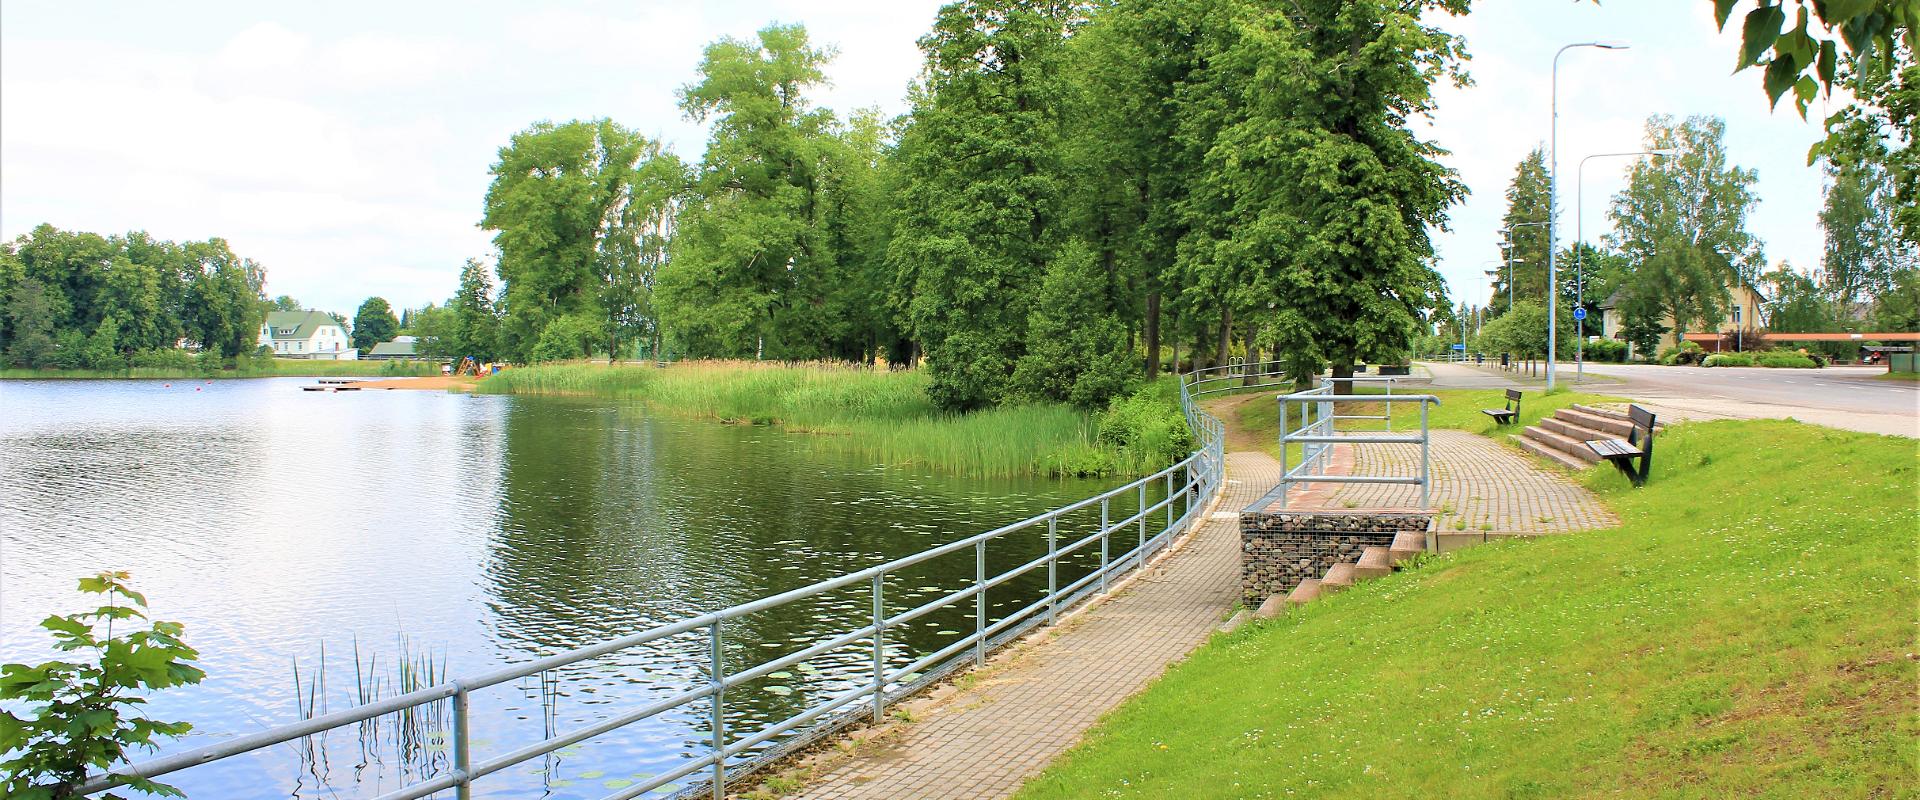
(321, 531)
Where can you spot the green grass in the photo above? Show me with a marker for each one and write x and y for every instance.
(878, 414)
(279, 368)
(1746, 632)
(1898, 376)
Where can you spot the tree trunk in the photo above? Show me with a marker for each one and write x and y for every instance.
(1226, 336)
(1342, 377)
(1254, 367)
(1153, 335)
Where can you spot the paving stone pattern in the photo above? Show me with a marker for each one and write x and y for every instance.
(1036, 701)
(1487, 486)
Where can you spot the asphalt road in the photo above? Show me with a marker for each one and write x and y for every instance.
(1843, 397)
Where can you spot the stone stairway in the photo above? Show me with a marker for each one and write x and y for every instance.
(1562, 438)
(1374, 562)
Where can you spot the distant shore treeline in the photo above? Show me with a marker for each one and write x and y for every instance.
(74, 300)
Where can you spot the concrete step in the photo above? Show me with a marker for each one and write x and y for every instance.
(1576, 448)
(1339, 576)
(1550, 454)
(1273, 606)
(1612, 427)
(1406, 545)
(1573, 431)
(1615, 415)
(1374, 562)
(1306, 592)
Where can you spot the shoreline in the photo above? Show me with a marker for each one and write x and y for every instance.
(445, 383)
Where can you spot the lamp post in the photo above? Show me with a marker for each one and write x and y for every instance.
(1553, 185)
(1579, 256)
(1509, 250)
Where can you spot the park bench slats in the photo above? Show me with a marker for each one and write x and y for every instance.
(1633, 455)
(1503, 416)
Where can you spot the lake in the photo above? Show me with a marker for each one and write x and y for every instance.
(366, 540)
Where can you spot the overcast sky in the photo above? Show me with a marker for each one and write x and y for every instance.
(345, 145)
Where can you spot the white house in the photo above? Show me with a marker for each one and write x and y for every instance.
(306, 334)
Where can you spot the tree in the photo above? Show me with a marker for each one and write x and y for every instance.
(558, 204)
(373, 323)
(224, 302)
(982, 200)
(1332, 195)
(1870, 31)
(30, 343)
(1795, 302)
(1681, 224)
(435, 331)
(1077, 348)
(285, 302)
(1526, 211)
(475, 326)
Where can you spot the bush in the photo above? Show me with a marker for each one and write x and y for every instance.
(1728, 360)
(1611, 350)
(1783, 360)
(1686, 354)
(1148, 425)
(163, 358)
(76, 714)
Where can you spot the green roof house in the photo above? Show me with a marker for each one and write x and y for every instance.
(306, 334)
(402, 347)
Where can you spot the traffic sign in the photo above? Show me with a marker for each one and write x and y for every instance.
(1579, 313)
(1459, 346)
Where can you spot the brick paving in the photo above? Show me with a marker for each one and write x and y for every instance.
(1478, 486)
(1035, 700)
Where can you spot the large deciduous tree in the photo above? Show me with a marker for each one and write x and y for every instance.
(1682, 225)
(981, 204)
(373, 323)
(562, 204)
(1332, 195)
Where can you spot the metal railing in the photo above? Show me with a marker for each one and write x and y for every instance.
(1317, 436)
(1193, 482)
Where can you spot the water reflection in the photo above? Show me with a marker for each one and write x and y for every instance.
(480, 531)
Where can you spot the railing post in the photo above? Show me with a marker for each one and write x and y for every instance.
(1390, 404)
(1426, 479)
(1053, 570)
(1103, 545)
(1168, 529)
(1286, 483)
(1140, 553)
(879, 649)
(462, 751)
(716, 672)
(980, 603)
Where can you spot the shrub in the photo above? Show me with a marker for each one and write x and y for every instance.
(1786, 360)
(1148, 426)
(79, 717)
(1612, 350)
(1687, 353)
(163, 358)
(1728, 360)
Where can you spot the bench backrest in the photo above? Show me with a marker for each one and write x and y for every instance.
(1642, 432)
(1513, 398)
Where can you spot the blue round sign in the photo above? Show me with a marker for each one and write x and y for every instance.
(1579, 313)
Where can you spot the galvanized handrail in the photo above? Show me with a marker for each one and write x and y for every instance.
(1199, 477)
(1316, 436)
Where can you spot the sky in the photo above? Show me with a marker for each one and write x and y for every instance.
(345, 145)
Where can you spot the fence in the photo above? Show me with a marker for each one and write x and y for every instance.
(1317, 436)
(1186, 488)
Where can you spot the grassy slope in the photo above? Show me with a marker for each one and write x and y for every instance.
(885, 415)
(1746, 632)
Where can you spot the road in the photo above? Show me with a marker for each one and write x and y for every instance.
(1840, 397)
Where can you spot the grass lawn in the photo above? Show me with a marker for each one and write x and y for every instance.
(886, 415)
(1908, 377)
(1748, 631)
(280, 368)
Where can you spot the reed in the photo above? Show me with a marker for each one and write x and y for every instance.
(878, 414)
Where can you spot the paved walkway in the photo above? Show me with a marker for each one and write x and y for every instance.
(1034, 702)
(1479, 486)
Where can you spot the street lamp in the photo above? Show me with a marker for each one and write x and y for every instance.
(1553, 186)
(1579, 256)
(1508, 247)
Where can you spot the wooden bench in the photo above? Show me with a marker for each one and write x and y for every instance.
(1634, 454)
(1506, 416)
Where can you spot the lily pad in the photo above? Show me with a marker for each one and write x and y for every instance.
(779, 691)
(780, 675)
(617, 783)
(592, 774)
